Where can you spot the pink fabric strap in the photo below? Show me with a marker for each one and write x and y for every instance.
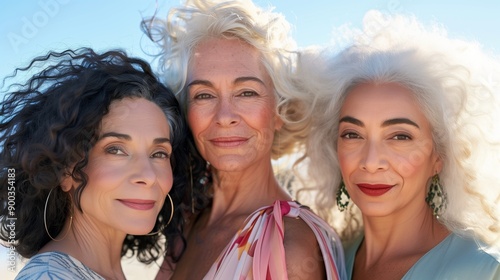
(257, 250)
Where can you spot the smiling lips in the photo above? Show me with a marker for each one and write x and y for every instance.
(374, 190)
(138, 204)
(228, 141)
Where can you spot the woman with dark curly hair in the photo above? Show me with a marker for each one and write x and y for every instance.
(93, 160)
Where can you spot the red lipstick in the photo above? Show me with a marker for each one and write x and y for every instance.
(374, 190)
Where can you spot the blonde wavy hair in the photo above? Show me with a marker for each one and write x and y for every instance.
(267, 31)
(456, 84)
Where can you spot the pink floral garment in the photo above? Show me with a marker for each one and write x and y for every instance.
(257, 250)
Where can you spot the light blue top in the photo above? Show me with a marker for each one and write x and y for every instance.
(56, 265)
(454, 258)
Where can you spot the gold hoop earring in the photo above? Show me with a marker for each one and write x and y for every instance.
(45, 220)
(169, 220)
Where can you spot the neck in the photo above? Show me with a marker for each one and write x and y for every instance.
(388, 237)
(241, 193)
(97, 249)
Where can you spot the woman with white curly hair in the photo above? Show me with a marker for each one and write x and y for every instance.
(405, 137)
(233, 61)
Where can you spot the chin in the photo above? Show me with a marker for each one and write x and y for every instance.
(139, 228)
(230, 163)
(375, 211)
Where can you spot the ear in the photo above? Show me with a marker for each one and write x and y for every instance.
(67, 182)
(438, 164)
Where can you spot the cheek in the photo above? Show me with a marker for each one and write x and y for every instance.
(196, 127)
(412, 163)
(198, 119)
(105, 177)
(165, 178)
(103, 172)
(192, 119)
(346, 162)
(261, 117)
(94, 198)
(264, 122)
(346, 166)
(101, 179)
(421, 156)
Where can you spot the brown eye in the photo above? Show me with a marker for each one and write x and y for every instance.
(115, 150)
(248, 93)
(203, 96)
(350, 135)
(161, 155)
(401, 137)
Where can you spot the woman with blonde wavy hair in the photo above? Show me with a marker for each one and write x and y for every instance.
(406, 140)
(233, 61)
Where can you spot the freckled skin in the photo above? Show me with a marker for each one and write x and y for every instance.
(232, 114)
(233, 106)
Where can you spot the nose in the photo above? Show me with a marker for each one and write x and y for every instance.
(226, 113)
(143, 172)
(374, 158)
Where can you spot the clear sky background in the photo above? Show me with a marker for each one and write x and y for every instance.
(32, 27)
(29, 28)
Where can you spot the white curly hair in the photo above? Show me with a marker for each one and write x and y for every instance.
(194, 21)
(456, 84)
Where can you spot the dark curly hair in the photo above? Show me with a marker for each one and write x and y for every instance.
(48, 126)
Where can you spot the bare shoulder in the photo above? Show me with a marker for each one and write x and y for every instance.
(302, 251)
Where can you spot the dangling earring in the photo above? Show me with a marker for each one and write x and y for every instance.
(45, 220)
(169, 220)
(436, 198)
(205, 179)
(192, 183)
(342, 195)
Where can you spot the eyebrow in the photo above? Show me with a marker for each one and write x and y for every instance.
(386, 123)
(352, 120)
(200, 82)
(249, 78)
(128, 138)
(161, 140)
(236, 81)
(116, 135)
(399, 121)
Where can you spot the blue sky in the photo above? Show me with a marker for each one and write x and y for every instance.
(33, 27)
